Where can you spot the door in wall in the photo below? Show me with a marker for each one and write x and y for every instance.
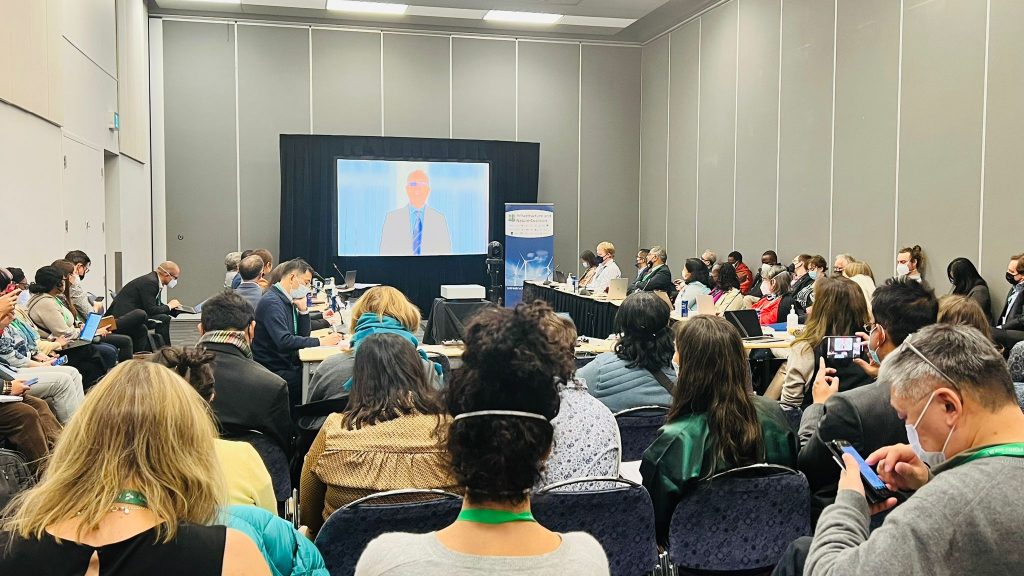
(82, 201)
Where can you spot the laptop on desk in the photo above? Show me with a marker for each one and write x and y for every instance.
(617, 288)
(92, 323)
(748, 325)
(350, 281)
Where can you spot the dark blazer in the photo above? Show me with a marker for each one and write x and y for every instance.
(249, 397)
(280, 333)
(1015, 319)
(251, 291)
(981, 295)
(864, 418)
(142, 293)
(660, 279)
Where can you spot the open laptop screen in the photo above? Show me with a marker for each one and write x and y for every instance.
(91, 324)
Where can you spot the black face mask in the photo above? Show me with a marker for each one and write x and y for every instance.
(1010, 279)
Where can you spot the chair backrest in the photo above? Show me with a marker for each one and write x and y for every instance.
(638, 428)
(793, 415)
(1016, 362)
(15, 476)
(621, 518)
(1018, 388)
(740, 520)
(444, 362)
(273, 458)
(349, 529)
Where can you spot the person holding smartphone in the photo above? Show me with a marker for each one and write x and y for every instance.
(952, 389)
(28, 425)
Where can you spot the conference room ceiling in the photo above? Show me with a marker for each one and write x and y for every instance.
(612, 20)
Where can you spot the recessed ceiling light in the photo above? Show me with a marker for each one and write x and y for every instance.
(367, 7)
(522, 17)
(215, 1)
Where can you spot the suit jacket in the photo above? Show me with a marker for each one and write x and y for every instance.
(251, 291)
(1015, 318)
(249, 397)
(280, 333)
(142, 293)
(660, 279)
(396, 236)
(863, 417)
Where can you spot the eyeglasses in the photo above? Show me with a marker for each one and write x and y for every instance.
(869, 327)
(160, 268)
(913, 349)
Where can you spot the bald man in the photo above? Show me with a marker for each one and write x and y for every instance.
(143, 293)
(415, 229)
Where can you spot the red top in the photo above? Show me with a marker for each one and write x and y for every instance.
(746, 278)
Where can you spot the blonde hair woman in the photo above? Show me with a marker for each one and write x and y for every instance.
(133, 482)
(861, 273)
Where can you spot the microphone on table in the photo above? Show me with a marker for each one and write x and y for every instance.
(340, 273)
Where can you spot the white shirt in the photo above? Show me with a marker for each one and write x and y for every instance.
(603, 277)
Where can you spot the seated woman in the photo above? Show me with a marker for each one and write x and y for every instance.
(639, 372)
(247, 479)
(28, 426)
(590, 262)
(60, 385)
(861, 273)
(386, 439)
(586, 436)
(967, 281)
(716, 422)
(380, 310)
(776, 303)
(696, 280)
(503, 400)
(730, 297)
(964, 311)
(839, 310)
(133, 483)
(77, 301)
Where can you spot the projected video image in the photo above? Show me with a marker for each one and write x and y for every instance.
(397, 208)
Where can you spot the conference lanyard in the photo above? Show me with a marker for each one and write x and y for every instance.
(487, 516)
(1015, 450)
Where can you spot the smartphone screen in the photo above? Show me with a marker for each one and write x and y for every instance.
(865, 470)
(842, 347)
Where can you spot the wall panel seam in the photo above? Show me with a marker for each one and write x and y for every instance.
(696, 195)
(451, 96)
(238, 154)
(668, 136)
(579, 152)
(382, 130)
(832, 146)
(311, 80)
(640, 176)
(899, 136)
(735, 123)
(778, 133)
(984, 137)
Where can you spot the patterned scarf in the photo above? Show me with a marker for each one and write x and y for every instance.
(233, 337)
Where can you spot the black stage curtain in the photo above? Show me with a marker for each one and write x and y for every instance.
(309, 205)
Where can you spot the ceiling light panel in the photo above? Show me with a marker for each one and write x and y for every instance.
(367, 7)
(522, 17)
(307, 4)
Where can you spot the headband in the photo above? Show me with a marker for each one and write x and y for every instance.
(500, 413)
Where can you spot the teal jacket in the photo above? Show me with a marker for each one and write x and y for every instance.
(287, 552)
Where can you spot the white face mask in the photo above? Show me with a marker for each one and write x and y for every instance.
(172, 283)
(902, 269)
(586, 265)
(765, 268)
(766, 288)
(932, 459)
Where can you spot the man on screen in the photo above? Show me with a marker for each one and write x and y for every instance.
(415, 228)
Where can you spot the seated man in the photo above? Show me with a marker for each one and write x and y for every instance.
(658, 276)
(951, 388)
(143, 293)
(862, 416)
(247, 396)
(1009, 325)
(282, 326)
(268, 265)
(251, 270)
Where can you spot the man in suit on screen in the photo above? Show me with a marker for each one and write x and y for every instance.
(415, 229)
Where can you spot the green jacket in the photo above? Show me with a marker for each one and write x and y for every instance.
(682, 455)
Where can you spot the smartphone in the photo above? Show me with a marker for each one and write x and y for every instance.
(31, 381)
(841, 350)
(99, 299)
(60, 361)
(293, 509)
(874, 488)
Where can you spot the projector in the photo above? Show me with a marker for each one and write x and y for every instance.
(463, 292)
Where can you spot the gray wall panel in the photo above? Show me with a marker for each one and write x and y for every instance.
(717, 129)
(610, 150)
(805, 142)
(549, 114)
(864, 178)
(684, 109)
(654, 130)
(416, 86)
(273, 99)
(940, 142)
(757, 115)
(1004, 172)
(199, 115)
(483, 89)
(346, 82)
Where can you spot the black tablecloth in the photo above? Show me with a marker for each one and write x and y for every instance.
(448, 319)
(593, 318)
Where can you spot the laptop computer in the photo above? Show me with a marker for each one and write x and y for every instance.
(617, 288)
(92, 323)
(191, 309)
(705, 304)
(350, 279)
(748, 325)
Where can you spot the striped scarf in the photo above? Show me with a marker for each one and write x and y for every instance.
(235, 338)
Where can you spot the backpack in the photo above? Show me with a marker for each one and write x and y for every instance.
(15, 476)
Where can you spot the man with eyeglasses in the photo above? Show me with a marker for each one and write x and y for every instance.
(84, 302)
(415, 229)
(144, 294)
(963, 468)
(861, 416)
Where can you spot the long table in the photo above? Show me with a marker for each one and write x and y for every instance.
(593, 317)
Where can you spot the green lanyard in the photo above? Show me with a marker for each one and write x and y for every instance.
(64, 312)
(487, 516)
(1015, 450)
(295, 312)
(133, 497)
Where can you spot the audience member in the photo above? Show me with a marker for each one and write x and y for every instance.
(656, 277)
(28, 426)
(967, 282)
(112, 347)
(586, 442)
(841, 261)
(639, 372)
(251, 271)
(282, 327)
(134, 480)
(1009, 325)
(729, 296)
(696, 281)
(964, 311)
(246, 477)
(60, 385)
(143, 293)
(642, 263)
(777, 302)
(951, 388)
(709, 258)
(861, 273)
(862, 416)
(236, 279)
(286, 549)
(606, 270)
(231, 262)
(840, 311)
(39, 349)
(742, 271)
(716, 423)
(78, 296)
(388, 437)
(248, 396)
(801, 278)
(503, 402)
(768, 260)
(268, 265)
(910, 262)
(589, 261)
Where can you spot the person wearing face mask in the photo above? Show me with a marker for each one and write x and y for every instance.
(777, 300)
(842, 260)
(589, 261)
(966, 281)
(910, 262)
(606, 270)
(143, 293)
(642, 265)
(964, 466)
(249, 397)
(768, 259)
(282, 326)
(1008, 326)
(658, 276)
(803, 284)
(861, 416)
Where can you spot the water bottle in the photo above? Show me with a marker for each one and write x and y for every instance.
(792, 320)
(572, 280)
(309, 299)
(684, 308)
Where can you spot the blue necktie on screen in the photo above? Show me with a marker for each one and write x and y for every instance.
(417, 234)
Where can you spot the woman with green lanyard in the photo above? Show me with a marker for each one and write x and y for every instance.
(964, 467)
(502, 401)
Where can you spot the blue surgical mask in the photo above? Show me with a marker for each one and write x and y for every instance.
(872, 351)
(813, 274)
(300, 292)
(932, 459)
